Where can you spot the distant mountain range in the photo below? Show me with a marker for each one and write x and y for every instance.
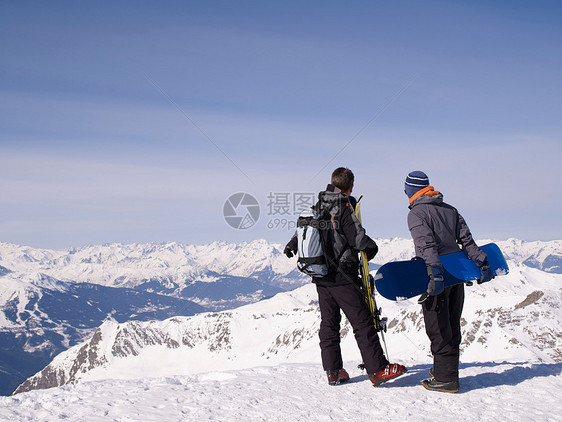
(515, 317)
(51, 300)
(109, 303)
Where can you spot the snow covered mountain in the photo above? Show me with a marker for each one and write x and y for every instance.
(546, 256)
(42, 316)
(170, 268)
(165, 268)
(515, 318)
(52, 300)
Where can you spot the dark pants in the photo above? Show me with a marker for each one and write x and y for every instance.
(442, 316)
(350, 300)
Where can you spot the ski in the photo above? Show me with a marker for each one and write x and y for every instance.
(368, 286)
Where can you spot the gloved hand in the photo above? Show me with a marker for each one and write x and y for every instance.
(289, 252)
(436, 283)
(371, 252)
(485, 271)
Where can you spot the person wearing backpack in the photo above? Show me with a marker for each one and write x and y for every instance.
(438, 229)
(342, 237)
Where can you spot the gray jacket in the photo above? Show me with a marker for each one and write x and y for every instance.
(438, 229)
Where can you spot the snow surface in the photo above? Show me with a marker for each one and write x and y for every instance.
(500, 391)
(511, 366)
(501, 379)
(514, 318)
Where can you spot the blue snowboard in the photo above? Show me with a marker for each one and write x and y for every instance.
(406, 279)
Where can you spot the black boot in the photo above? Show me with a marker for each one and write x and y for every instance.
(444, 387)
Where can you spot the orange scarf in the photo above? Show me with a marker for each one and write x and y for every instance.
(425, 191)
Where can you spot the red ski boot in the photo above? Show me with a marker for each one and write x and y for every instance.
(391, 371)
(338, 376)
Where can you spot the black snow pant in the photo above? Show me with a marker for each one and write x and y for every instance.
(442, 316)
(350, 300)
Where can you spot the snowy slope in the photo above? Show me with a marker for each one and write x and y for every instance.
(490, 391)
(41, 316)
(43, 310)
(516, 317)
(260, 362)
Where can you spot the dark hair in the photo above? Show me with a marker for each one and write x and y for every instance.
(342, 178)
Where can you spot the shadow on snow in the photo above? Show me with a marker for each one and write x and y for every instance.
(516, 374)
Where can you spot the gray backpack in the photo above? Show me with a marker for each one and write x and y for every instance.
(311, 259)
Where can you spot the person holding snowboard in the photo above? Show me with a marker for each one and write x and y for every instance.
(338, 290)
(438, 229)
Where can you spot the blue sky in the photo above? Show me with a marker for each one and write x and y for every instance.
(135, 121)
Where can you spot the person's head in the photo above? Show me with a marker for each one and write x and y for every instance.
(342, 178)
(415, 181)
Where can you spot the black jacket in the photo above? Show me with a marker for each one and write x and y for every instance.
(343, 241)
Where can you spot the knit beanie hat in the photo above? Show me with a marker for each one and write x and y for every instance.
(415, 181)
